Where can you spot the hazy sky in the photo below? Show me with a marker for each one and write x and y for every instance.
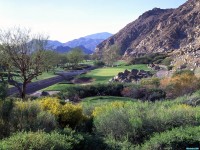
(65, 20)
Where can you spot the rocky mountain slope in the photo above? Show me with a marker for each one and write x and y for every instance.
(161, 30)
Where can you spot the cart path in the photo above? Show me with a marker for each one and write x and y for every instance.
(38, 85)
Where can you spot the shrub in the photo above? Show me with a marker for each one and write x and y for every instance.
(113, 144)
(148, 59)
(5, 115)
(138, 121)
(75, 93)
(144, 94)
(3, 90)
(72, 115)
(41, 141)
(150, 82)
(167, 61)
(183, 82)
(115, 120)
(52, 105)
(179, 138)
(28, 116)
(67, 114)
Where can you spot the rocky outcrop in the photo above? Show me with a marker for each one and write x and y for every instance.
(131, 76)
(159, 30)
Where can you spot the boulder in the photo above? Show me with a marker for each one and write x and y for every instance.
(131, 76)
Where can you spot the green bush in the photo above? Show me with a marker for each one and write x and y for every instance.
(28, 116)
(150, 82)
(138, 120)
(177, 139)
(144, 93)
(148, 59)
(3, 90)
(167, 61)
(41, 141)
(5, 116)
(67, 114)
(75, 93)
(113, 144)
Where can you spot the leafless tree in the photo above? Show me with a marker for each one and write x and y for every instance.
(22, 54)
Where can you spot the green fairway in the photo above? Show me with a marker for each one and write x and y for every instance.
(102, 75)
(104, 99)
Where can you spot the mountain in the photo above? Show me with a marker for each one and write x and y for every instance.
(89, 42)
(103, 35)
(66, 49)
(85, 50)
(53, 44)
(62, 49)
(160, 30)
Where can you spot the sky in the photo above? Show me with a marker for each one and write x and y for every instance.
(65, 20)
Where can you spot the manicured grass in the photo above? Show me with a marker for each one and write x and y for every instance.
(104, 99)
(57, 87)
(102, 75)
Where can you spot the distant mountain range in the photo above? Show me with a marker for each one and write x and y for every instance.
(87, 43)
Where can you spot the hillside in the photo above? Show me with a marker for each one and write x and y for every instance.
(89, 42)
(66, 49)
(161, 30)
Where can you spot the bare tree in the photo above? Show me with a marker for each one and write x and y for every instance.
(23, 56)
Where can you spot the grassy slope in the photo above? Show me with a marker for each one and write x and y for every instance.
(101, 75)
(104, 99)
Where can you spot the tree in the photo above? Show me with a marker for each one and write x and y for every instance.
(23, 53)
(51, 60)
(110, 55)
(75, 57)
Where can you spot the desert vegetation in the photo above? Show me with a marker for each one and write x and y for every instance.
(151, 114)
(91, 111)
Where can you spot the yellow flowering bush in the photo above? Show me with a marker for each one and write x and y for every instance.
(68, 114)
(72, 114)
(30, 116)
(52, 105)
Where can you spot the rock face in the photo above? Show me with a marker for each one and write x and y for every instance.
(131, 76)
(159, 30)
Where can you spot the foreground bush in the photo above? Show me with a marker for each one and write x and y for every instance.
(3, 90)
(28, 116)
(5, 115)
(138, 121)
(67, 115)
(177, 139)
(41, 141)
